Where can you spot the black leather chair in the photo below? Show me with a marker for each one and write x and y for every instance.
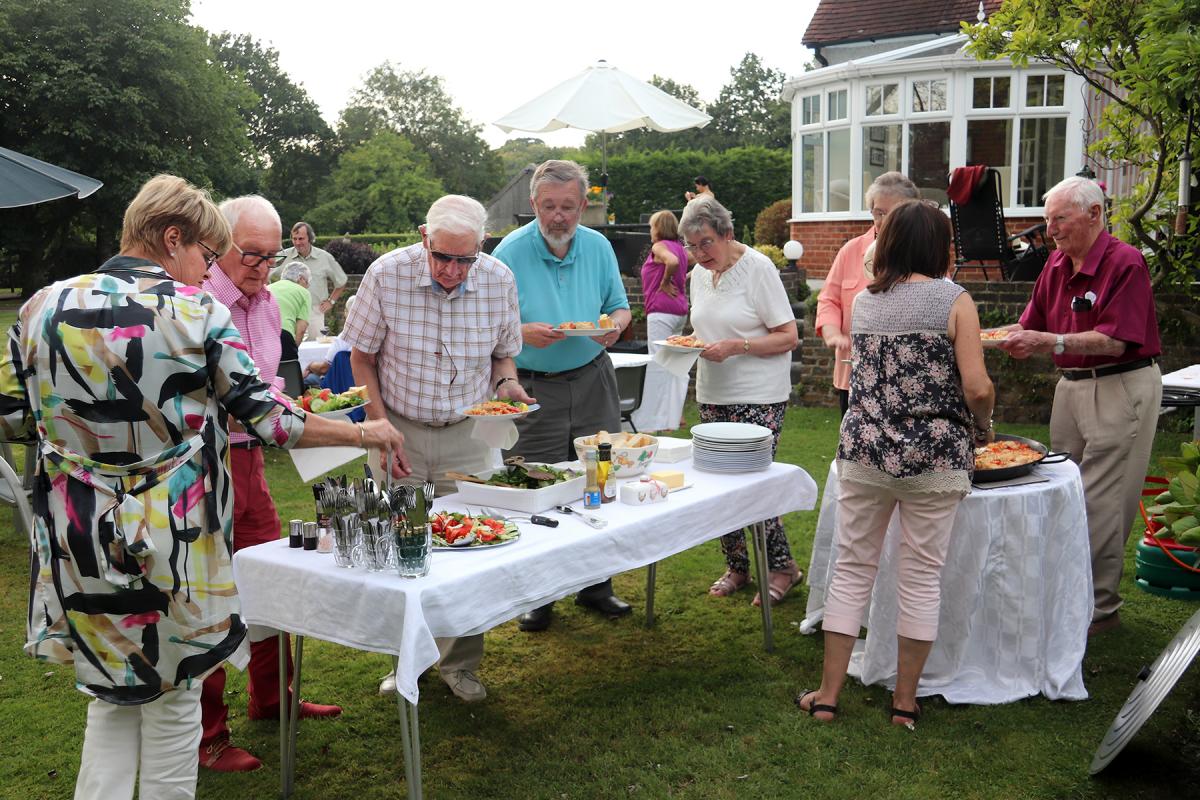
(630, 383)
(293, 377)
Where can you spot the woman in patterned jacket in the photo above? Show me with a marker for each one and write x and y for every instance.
(124, 379)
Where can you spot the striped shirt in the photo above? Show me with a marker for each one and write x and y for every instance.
(257, 319)
(435, 349)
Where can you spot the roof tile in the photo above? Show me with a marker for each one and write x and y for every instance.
(838, 21)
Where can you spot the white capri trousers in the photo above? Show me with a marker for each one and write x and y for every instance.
(926, 520)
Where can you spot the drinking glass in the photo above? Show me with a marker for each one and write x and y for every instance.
(414, 548)
(345, 537)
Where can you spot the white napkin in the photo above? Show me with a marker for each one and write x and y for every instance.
(311, 462)
(677, 362)
(495, 432)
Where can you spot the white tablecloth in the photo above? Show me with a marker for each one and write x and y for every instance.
(312, 351)
(1016, 594)
(469, 592)
(623, 360)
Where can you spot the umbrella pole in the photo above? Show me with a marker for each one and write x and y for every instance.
(604, 160)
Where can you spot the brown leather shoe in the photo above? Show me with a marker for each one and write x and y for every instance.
(1104, 625)
(307, 711)
(224, 757)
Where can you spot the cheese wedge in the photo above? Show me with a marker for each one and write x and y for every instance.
(671, 477)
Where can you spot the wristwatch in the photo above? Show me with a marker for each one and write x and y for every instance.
(745, 345)
(501, 382)
(1060, 344)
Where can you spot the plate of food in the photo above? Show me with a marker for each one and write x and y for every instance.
(455, 531)
(993, 337)
(504, 409)
(586, 328)
(330, 404)
(517, 486)
(686, 344)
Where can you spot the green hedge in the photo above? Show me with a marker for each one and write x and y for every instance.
(745, 179)
(382, 242)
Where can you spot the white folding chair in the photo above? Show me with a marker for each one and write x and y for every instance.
(13, 492)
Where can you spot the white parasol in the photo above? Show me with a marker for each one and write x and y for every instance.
(604, 100)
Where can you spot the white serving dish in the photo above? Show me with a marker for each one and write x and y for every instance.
(671, 450)
(531, 501)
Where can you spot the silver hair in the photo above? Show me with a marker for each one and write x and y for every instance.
(896, 184)
(555, 171)
(1083, 193)
(705, 210)
(296, 271)
(234, 207)
(456, 215)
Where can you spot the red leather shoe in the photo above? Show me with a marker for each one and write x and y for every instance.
(307, 711)
(224, 757)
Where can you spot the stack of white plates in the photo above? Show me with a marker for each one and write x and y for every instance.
(731, 447)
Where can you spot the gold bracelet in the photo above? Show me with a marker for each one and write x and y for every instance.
(362, 436)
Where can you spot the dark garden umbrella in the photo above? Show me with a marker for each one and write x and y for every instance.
(25, 181)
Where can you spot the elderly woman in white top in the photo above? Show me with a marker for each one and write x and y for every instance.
(740, 308)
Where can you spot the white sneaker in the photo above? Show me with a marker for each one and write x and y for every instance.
(465, 685)
(388, 684)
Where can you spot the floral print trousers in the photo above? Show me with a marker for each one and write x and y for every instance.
(733, 545)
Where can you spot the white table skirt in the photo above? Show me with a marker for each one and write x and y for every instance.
(469, 592)
(1016, 594)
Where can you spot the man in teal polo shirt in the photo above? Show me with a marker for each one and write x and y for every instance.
(565, 274)
(295, 306)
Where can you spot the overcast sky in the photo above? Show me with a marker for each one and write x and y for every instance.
(496, 56)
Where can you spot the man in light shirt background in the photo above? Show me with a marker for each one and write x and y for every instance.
(327, 279)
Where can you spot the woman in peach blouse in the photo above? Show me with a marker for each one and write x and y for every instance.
(847, 277)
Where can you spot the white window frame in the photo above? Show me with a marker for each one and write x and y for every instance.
(898, 82)
(911, 94)
(829, 118)
(811, 100)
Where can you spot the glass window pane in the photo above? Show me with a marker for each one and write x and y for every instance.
(880, 154)
(1041, 157)
(812, 172)
(937, 95)
(929, 158)
(839, 170)
(981, 93)
(1054, 90)
(811, 109)
(874, 101)
(891, 99)
(920, 96)
(1035, 90)
(1000, 92)
(837, 104)
(989, 142)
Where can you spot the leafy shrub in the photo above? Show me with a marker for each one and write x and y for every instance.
(354, 257)
(774, 253)
(389, 241)
(772, 227)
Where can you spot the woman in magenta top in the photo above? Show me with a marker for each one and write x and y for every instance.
(664, 288)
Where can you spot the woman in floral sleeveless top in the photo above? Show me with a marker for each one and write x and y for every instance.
(920, 399)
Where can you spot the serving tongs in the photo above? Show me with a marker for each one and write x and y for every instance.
(533, 472)
(587, 519)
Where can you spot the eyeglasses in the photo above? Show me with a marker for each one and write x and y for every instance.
(255, 260)
(705, 245)
(212, 255)
(453, 366)
(447, 258)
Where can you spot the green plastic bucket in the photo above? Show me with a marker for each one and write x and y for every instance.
(1157, 574)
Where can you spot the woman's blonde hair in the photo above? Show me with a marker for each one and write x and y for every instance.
(165, 201)
(664, 226)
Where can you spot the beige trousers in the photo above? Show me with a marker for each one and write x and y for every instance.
(1107, 425)
(433, 452)
(863, 514)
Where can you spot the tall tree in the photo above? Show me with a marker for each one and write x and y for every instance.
(293, 145)
(749, 111)
(382, 185)
(1143, 56)
(417, 106)
(119, 90)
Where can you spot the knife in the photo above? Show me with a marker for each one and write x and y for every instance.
(588, 519)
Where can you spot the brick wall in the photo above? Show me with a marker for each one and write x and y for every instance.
(823, 239)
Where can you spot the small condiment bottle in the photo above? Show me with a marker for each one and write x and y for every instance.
(608, 486)
(591, 493)
(296, 533)
(310, 536)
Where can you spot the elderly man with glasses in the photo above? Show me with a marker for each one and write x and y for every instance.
(565, 273)
(434, 329)
(238, 280)
(327, 279)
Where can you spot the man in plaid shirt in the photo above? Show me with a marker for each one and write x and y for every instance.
(434, 329)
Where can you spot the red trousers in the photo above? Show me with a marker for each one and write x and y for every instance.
(255, 521)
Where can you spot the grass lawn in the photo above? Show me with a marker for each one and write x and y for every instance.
(692, 708)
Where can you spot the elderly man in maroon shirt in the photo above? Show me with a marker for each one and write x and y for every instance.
(238, 280)
(1093, 310)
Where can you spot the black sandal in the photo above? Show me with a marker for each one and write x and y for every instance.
(815, 707)
(913, 716)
